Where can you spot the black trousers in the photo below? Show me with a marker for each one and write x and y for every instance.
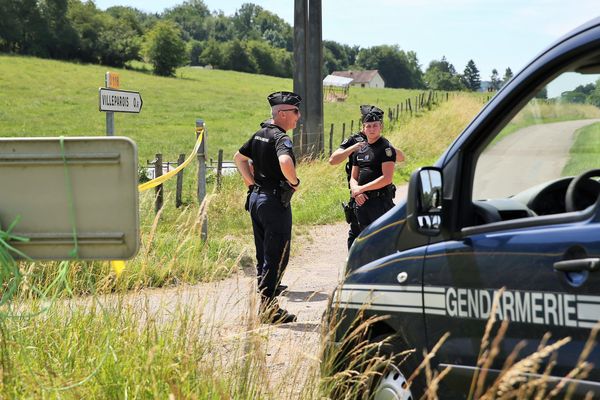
(372, 209)
(272, 226)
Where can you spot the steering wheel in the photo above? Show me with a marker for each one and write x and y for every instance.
(582, 184)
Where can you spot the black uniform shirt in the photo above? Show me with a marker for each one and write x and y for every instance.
(370, 158)
(264, 148)
(349, 142)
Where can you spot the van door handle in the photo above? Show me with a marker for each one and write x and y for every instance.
(578, 265)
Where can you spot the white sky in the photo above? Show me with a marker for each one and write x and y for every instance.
(494, 33)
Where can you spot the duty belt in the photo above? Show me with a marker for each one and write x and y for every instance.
(383, 192)
(262, 189)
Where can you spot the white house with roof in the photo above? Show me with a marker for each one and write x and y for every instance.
(369, 78)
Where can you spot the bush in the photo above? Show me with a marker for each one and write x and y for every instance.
(164, 48)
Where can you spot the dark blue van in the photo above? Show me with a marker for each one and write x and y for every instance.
(513, 203)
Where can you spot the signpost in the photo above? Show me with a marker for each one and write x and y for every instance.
(120, 101)
(112, 100)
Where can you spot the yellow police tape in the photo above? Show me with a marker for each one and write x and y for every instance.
(157, 181)
(118, 265)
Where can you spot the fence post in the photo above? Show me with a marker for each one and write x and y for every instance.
(302, 139)
(331, 140)
(158, 191)
(179, 190)
(397, 111)
(219, 169)
(343, 131)
(408, 106)
(351, 126)
(201, 155)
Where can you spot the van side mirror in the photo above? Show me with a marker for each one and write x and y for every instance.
(424, 202)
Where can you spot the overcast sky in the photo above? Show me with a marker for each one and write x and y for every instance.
(493, 33)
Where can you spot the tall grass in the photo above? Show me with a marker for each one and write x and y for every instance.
(172, 251)
(353, 368)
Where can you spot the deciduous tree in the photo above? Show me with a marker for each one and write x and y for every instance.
(164, 48)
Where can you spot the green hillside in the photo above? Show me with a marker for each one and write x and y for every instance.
(41, 97)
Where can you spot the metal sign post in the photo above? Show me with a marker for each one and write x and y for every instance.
(111, 100)
(110, 116)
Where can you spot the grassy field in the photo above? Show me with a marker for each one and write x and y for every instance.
(53, 98)
(50, 98)
(584, 152)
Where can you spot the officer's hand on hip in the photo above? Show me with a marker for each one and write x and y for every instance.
(361, 199)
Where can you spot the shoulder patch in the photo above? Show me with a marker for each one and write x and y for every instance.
(388, 152)
(287, 142)
(359, 138)
(345, 141)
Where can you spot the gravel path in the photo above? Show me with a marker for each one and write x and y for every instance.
(227, 306)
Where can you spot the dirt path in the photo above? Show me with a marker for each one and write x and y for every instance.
(314, 271)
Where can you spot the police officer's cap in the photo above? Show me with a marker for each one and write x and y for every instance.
(364, 109)
(289, 98)
(372, 114)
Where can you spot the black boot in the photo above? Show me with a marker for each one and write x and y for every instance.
(270, 313)
(280, 289)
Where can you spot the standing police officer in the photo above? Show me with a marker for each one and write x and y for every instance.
(373, 171)
(347, 149)
(271, 182)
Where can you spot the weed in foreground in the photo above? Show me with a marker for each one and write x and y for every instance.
(353, 364)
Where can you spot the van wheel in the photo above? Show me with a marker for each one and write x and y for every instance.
(392, 386)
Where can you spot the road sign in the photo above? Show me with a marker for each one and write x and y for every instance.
(112, 79)
(120, 100)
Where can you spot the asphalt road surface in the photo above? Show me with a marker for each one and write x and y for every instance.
(525, 158)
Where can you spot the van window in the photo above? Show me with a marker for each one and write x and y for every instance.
(556, 135)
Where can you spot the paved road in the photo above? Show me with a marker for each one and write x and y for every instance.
(527, 157)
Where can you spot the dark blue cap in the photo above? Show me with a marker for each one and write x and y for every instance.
(371, 114)
(289, 98)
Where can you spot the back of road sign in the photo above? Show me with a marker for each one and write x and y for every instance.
(94, 194)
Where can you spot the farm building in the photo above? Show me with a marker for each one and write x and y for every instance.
(370, 78)
(336, 88)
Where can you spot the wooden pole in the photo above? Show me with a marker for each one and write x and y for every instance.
(158, 191)
(179, 192)
(201, 155)
(219, 169)
(331, 140)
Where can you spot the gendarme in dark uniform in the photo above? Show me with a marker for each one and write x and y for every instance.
(347, 148)
(271, 181)
(372, 172)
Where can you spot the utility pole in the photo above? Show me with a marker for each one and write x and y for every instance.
(308, 58)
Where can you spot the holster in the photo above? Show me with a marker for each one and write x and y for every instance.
(285, 193)
(348, 212)
(392, 190)
(247, 205)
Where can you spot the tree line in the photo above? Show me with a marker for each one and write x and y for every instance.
(251, 40)
(583, 94)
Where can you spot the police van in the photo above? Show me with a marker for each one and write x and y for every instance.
(512, 203)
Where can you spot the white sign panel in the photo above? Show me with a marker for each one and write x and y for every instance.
(120, 100)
